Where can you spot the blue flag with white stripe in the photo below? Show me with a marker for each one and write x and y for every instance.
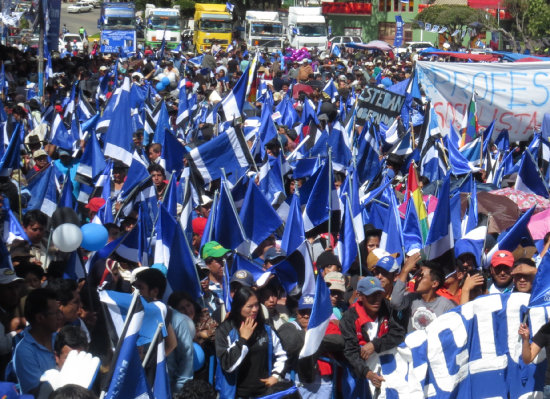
(258, 217)
(118, 139)
(440, 235)
(529, 179)
(319, 319)
(43, 190)
(12, 157)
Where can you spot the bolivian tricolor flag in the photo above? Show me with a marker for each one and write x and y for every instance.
(415, 192)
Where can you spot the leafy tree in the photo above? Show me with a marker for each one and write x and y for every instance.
(452, 17)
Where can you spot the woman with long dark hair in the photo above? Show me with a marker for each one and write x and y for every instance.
(250, 355)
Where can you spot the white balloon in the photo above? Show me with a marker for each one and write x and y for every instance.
(67, 237)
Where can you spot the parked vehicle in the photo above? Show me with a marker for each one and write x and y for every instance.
(213, 23)
(162, 23)
(117, 24)
(79, 7)
(307, 28)
(69, 38)
(342, 40)
(264, 29)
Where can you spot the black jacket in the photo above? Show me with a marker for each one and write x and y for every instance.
(395, 335)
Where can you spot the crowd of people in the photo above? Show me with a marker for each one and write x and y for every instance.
(243, 336)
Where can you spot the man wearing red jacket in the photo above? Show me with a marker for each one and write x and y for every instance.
(370, 325)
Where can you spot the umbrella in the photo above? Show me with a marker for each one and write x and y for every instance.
(503, 210)
(372, 45)
(379, 45)
(539, 225)
(524, 200)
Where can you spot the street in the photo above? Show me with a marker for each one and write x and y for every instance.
(88, 20)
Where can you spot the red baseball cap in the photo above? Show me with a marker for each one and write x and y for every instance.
(95, 204)
(199, 225)
(502, 257)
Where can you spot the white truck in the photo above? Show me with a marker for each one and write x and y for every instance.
(264, 29)
(162, 22)
(307, 28)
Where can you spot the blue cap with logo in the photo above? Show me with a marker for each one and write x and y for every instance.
(305, 302)
(388, 263)
(369, 285)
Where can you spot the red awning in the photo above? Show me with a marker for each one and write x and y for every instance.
(494, 4)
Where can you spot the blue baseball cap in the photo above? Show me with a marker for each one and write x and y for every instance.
(369, 285)
(305, 302)
(388, 263)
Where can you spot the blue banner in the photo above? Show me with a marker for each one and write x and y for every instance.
(114, 40)
(398, 41)
(53, 24)
(473, 350)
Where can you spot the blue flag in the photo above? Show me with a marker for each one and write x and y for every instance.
(118, 139)
(529, 179)
(12, 157)
(319, 319)
(541, 284)
(440, 235)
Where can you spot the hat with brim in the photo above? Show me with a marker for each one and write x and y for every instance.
(369, 285)
(8, 276)
(305, 302)
(213, 249)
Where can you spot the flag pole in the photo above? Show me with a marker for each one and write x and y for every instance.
(152, 345)
(330, 196)
(131, 309)
(348, 203)
(240, 223)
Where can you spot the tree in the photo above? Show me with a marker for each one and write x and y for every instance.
(453, 18)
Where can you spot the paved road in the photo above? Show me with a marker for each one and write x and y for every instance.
(74, 21)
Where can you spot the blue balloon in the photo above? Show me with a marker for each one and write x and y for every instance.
(160, 86)
(94, 236)
(165, 81)
(198, 357)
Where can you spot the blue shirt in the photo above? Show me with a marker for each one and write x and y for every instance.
(31, 360)
(180, 361)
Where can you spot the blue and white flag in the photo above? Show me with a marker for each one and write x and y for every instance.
(118, 139)
(529, 179)
(233, 102)
(459, 164)
(161, 385)
(172, 154)
(92, 162)
(271, 181)
(43, 188)
(230, 7)
(347, 241)
(392, 233)
(472, 242)
(229, 150)
(184, 111)
(541, 285)
(331, 89)
(13, 229)
(227, 228)
(48, 72)
(118, 305)
(11, 159)
(318, 203)
(517, 234)
(319, 319)
(340, 144)
(367, 163)
(128, 380)
(62, 137)
(172, 250)
(399, 25)
(440, 236)
(259, 219)
(335, 50)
